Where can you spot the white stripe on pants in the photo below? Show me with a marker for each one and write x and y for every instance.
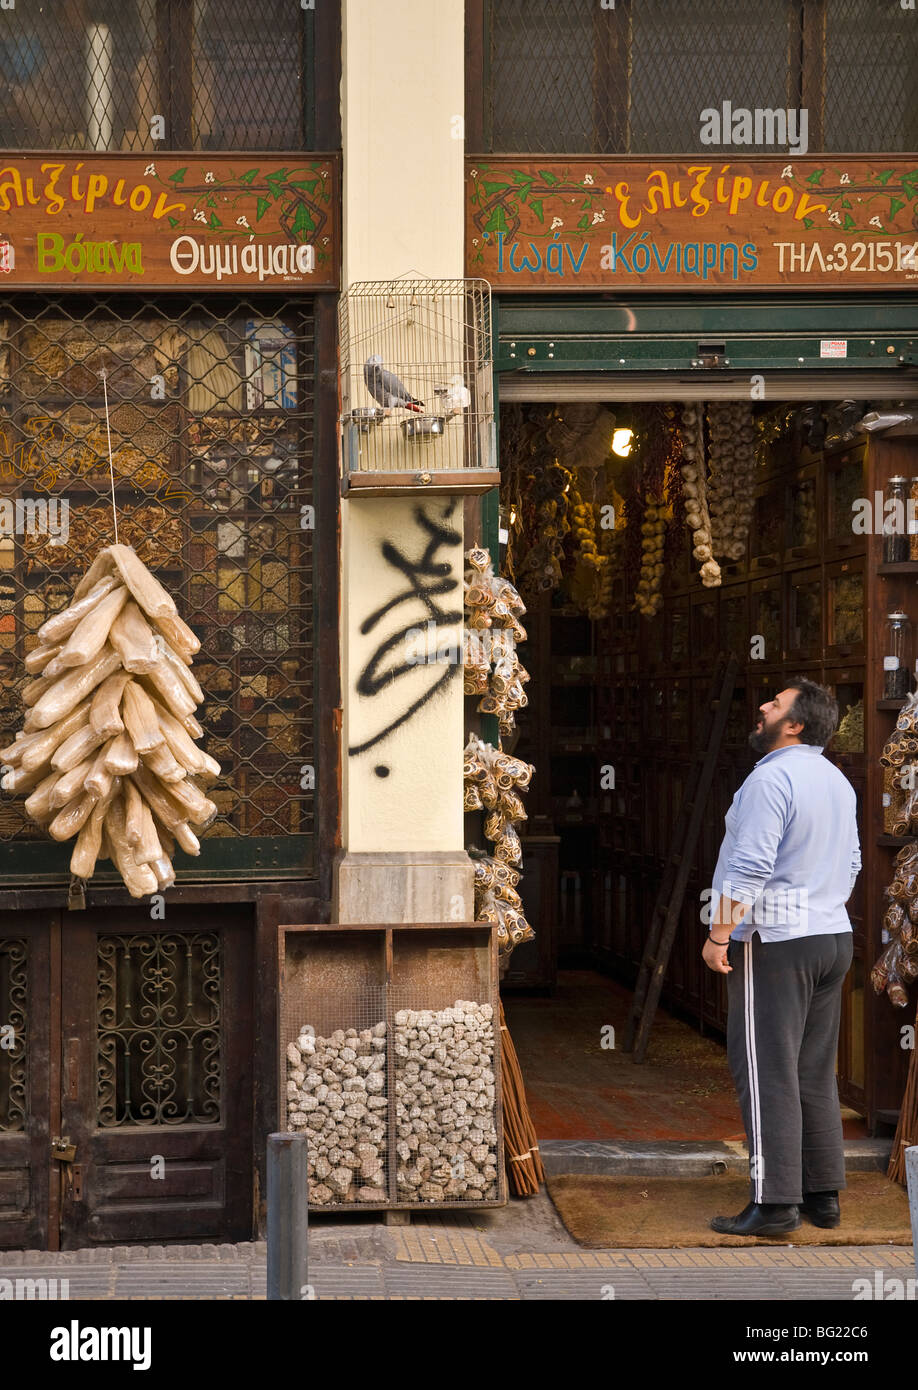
(756, 1156)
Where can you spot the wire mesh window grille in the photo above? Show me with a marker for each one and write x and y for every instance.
(211, 406)
(159, 1029)
(93, 75)
(571, 76)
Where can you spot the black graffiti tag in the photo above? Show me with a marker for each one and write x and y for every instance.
(428, 580)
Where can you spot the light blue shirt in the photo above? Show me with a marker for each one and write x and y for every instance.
(791, 847)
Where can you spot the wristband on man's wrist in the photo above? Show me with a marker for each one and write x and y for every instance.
(718, 943)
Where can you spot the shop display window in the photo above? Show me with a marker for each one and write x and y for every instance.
(803, 514)
(679, 711)
(657, 711)
(845, 484)
(209, 486)
(848, 688)
(804, 614)
(654, 635)
(734, 626)
(766, 534)
(677, 618)
(704, 629)
(845, 605)
(765, 637)
(737, 727)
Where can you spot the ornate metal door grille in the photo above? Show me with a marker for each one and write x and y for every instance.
(212, 435)
(159, 1029)
(14, 986)
(569, 76)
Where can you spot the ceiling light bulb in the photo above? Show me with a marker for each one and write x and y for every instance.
(621, 442)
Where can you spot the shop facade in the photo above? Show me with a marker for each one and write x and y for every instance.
(182, 306)
(637, 287)
(341, 803)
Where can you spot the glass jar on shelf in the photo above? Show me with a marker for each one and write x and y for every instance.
(897, 656)
(895, 536)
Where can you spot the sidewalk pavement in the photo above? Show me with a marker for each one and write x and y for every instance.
(520, 1251)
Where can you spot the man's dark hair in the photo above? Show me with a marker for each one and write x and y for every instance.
(816, 709)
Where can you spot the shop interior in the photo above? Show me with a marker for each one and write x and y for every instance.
(649, 542)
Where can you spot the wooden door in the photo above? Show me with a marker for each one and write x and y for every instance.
(137, 1055)
(24, 1091)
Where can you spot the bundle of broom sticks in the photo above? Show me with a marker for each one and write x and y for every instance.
(907, 1130)
(524, 1163)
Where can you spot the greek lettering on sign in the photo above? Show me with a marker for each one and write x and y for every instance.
(188, 256)
(78, 256)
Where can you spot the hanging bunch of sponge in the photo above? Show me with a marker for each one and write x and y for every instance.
(107, 752)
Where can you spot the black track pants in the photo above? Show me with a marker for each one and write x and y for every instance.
(784, 1001)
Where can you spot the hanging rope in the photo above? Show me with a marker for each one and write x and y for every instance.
(111, 463)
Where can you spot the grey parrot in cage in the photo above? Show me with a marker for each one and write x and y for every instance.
(386, 388)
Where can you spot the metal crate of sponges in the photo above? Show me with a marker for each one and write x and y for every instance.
(389, 1057)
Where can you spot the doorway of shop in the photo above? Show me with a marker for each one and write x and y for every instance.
(626, 620)
(125, 1078)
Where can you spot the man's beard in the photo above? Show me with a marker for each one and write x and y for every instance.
(763, 740)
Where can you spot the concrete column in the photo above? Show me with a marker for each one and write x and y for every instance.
(403, 725)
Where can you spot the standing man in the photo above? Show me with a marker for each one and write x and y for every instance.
(780, 932)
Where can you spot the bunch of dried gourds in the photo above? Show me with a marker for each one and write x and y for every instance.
(107, 752)
(898, 965)
(491, 667)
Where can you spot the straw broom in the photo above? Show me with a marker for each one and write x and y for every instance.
(524, 1163)
(907, 1130)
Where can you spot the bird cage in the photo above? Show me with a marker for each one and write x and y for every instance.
(417, 388)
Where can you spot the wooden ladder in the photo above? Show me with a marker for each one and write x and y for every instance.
(668, 906)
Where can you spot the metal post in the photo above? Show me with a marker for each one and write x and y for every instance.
(911, 1175)
(288, 1218)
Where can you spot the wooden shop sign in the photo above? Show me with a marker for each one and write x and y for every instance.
(167, 222)
(758, 223)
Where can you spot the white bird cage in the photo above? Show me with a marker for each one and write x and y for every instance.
(417, 392)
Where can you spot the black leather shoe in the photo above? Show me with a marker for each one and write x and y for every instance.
(758, 1219)
(821, 1208)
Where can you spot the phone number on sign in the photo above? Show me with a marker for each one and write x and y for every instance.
(848, 256)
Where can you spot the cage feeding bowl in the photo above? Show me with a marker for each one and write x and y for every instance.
(423, 425)
(364, 417)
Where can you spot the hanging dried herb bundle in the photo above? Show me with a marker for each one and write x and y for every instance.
(674, 494)
(634, 519)
(544, 483)
(652, 429)
(648, 596)
(769, 428)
